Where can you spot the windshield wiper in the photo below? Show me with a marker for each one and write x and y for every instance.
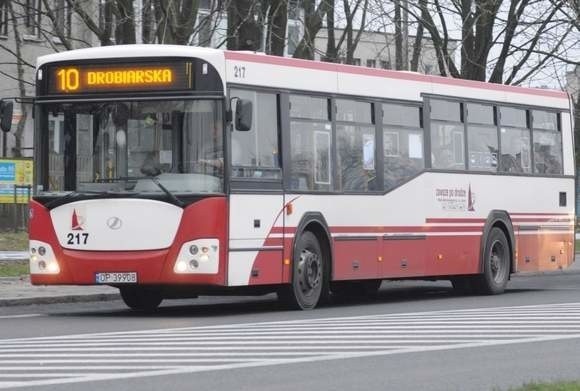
(169, 194)
(59, 200)
(155, 180)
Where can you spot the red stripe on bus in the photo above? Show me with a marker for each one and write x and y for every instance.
(352, 69)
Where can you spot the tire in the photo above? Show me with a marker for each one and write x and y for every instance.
(309, 285)
(345, 290)
(496, 264)
(141, 298)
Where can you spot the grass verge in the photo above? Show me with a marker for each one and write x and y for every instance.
(13, 241)
(13, 268)
(557, 386)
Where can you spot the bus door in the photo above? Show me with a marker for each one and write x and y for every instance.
(256, 202)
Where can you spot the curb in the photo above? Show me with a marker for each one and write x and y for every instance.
(60, 299)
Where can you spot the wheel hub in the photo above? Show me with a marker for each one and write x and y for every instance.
(310, 270)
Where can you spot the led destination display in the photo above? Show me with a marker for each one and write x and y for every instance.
(83, 79)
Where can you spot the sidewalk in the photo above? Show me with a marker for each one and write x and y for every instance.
(19, 291)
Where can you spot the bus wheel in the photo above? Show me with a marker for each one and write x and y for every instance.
(309, 277)
(496, 264)
(141, 298)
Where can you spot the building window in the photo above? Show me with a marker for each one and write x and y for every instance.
(32, 18)
(255, 152)
(371, 63)
(356, 61)
(4, 17)
(428, 69)
(385, 64)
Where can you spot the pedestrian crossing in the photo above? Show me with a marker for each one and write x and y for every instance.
(121, 355)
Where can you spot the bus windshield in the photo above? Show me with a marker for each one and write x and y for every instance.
(120, 146)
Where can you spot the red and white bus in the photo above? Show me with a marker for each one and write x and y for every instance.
(173, 171)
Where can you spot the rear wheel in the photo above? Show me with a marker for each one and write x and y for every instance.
(496, 264)
(141, 298)
(309, 275)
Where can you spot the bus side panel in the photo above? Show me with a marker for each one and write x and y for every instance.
(255, 239)
(543, 250)
(403, 257)
(356, 259)
(452, 255)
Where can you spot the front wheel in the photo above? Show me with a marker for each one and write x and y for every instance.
(309, 275)
(141, 298)
(496, 264)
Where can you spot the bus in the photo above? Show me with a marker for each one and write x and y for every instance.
(176, 171)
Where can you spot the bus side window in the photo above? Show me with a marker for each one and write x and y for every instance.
(355, 137)
(310, 143)
(254, 153)
(547, 143)
(515, 141)
(447, 135)
(403, 148)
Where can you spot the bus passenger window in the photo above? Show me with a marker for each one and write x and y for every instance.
(482, 138)
(310, 144)
(447, 136)
(402, 143)
(254, 153)
(547, 143)
(355, 137)
(515, 141)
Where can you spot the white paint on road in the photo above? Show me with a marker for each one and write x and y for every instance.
(20, 316)
(135, 354)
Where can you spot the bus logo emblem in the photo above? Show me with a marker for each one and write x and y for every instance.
(77, 221)
(114, 223)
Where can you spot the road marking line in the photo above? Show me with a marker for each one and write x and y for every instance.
(226, 347)
(20, 316)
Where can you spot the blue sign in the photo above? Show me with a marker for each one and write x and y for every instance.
(7, 171)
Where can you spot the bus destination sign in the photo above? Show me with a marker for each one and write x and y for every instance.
(83, 79)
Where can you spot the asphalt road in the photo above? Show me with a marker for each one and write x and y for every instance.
(415, 336)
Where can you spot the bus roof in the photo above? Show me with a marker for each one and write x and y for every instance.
(317, 76)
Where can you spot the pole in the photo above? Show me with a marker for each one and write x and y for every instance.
(4, 144)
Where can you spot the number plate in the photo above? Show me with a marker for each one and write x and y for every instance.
(116, 278)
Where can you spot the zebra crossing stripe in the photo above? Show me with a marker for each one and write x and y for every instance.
(43, 361)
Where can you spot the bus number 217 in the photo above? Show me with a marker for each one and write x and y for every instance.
(78, 238)
(239, 72)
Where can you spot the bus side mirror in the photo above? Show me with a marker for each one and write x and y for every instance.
(6, 115)
(243, 115)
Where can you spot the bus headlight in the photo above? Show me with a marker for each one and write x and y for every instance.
(199, 256)
(42, 258)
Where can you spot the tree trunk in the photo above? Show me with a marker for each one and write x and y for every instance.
(243, 30)
(17, 150)
(278, 20)
(125, 31)
(312, 25)
(398, 37)
(331, 54)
